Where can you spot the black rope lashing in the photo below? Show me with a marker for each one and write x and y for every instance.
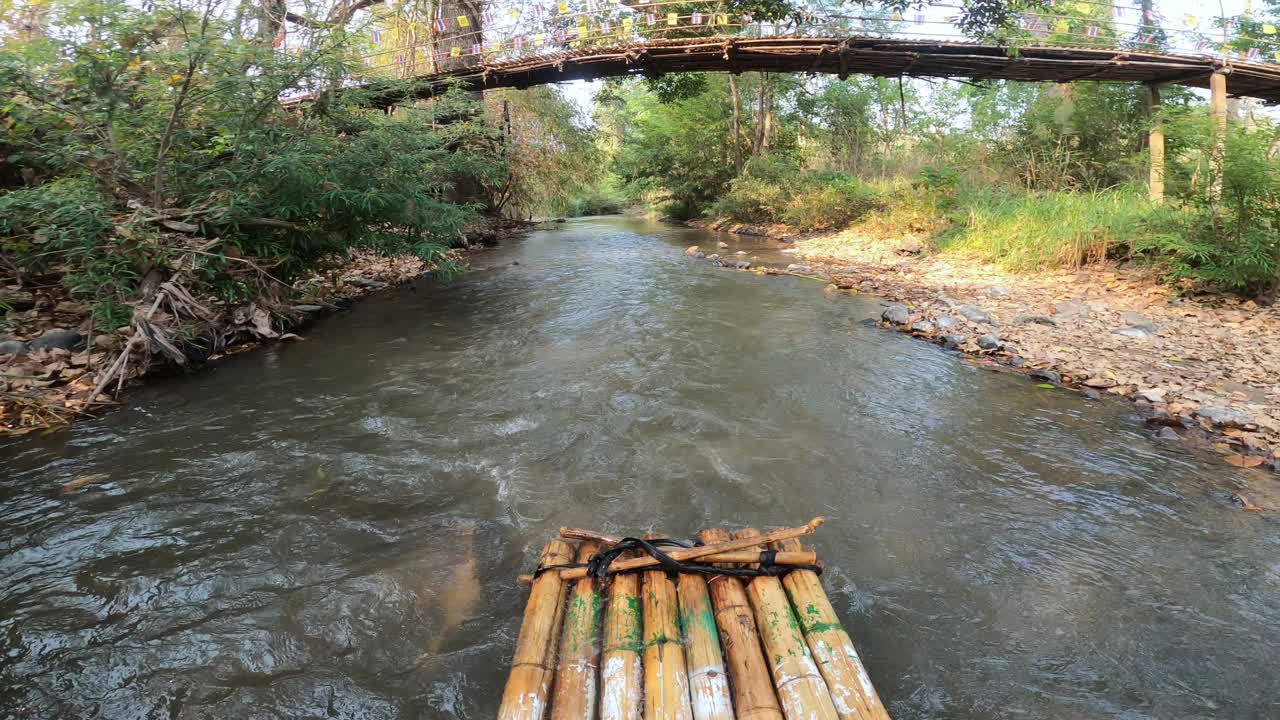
(599, 564)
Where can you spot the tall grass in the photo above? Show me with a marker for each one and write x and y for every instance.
(1025, 232)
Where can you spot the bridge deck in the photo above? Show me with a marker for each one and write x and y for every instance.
(870, 56)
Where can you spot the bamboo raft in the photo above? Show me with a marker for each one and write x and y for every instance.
(736, 625)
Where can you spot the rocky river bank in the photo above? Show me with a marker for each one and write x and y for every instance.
(1201, 369)
(54, 366)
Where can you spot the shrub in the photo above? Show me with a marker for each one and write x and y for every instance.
(831, 201)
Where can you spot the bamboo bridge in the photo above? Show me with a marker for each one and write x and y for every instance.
(505, 44)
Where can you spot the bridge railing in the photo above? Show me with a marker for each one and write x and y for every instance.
(409, 45)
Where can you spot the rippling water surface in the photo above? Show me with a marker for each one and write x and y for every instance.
(332, 528)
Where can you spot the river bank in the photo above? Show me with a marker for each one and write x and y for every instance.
(55, 368)
(1201, 369)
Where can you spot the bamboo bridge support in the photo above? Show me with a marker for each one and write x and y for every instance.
(1218, 111)
(1155, 143)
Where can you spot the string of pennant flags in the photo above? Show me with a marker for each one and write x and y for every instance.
(515, 30)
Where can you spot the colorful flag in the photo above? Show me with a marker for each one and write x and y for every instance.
(1268, 29)
(746, 19)
(463, 21)
(563, 8)
(1092, 31)
(673, 19)
(476, 49)
(651, 19)
(279, 38)
(1253, 54)
(919, 19)
(513, 13)
(696, 18)
(455, 51)
(440, 26)
(1190, 21)
(1146, 39)
(604, 27)
(722, 19)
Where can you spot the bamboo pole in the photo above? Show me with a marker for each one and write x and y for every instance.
(525, 696)
(703, 550)
(1218, 151)
(620, 675)
(852, 693)
(753, 694)
(801, 690)
(1155, 144)
(575, 682)
(666, 682)
(708, 686)
(806, 557)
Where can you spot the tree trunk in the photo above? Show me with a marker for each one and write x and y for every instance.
(757, 143)
(453, 46)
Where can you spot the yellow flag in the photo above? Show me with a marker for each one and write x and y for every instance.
(539, 39)
(724, 19)
(897, 16)
(627, 24)
(673, 19)
(513, 13)
(1190, 21)
(1268, 29)
(463, 21)
(582, 32)
(455, 52)
(563, 8)
(496, 47)
(1062, 27)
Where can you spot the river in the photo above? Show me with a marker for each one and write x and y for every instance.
(332, 528)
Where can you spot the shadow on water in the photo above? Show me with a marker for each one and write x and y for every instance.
(332, 528)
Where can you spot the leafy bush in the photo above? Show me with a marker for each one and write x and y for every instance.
(830, 201)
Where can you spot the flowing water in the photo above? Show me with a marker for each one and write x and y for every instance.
(332, 528)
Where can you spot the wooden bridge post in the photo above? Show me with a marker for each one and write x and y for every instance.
(1218, 111)
(1155, 143)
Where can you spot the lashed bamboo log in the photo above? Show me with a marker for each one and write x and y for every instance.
(753, 694)
(575, 682)
(852, 693)
(620, 674)
(801, 690)
(525, 696)
(704, 550)
(708, 685)
(737, 557)
(666, 680)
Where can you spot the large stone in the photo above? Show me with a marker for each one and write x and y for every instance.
(1134, 319)
(924, 327)
(1153, 395)
(13, 347)
(997, 291)
(692, 251)
(975, 314)
(946, 321)
(909, 246)
(1168, 433)
(1051, 376)
(1100, 382)
(953, 342)
(742, 265)
(722, 245)
(988, 342)
(897, 313)
(1037, 319)
(1223, 416)
(798, 268)
(1138, 333)
(58, 339)
(1070, 309)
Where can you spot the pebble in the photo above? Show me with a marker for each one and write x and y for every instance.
(953, 342)
(693, 251)
(946, 321)
(722, 245)
(1168, 433)
(988, 342)
(1071, 308)
(924, 327)
(998, 291)
(1140, 333)
(796, 268)
(1153, 395)
(1038, 319)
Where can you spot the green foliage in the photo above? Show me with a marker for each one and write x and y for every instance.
(1035, 231)
(774, 189)
(158, 140)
